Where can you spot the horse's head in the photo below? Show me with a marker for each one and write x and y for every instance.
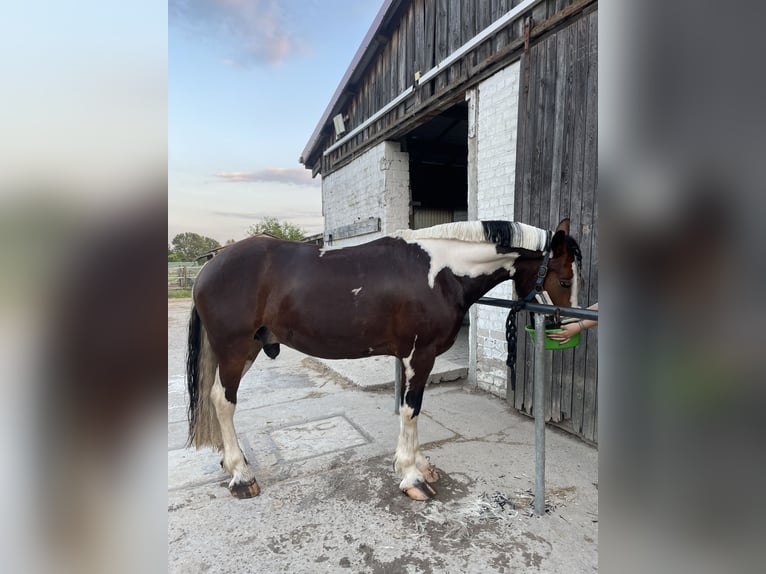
(563, 279)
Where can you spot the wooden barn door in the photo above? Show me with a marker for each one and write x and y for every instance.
(556, 177)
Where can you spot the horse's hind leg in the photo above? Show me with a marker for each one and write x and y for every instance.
(231, 369)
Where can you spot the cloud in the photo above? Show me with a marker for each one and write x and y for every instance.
(293, 176)
(285, 213)
(251, 32)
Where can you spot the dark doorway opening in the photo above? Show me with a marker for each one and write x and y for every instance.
(438, 151)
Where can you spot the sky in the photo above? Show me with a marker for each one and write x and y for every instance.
(248, 81)
(84, 98)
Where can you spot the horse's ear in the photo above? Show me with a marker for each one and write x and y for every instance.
(558, 242)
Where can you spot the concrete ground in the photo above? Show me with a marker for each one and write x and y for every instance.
(322, 448)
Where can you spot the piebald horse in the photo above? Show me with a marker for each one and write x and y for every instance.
(403, 295)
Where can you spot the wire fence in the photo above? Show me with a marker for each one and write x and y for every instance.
(181, 276)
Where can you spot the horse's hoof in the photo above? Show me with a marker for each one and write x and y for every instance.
(430, 474)
(245, 490)
(420, 491)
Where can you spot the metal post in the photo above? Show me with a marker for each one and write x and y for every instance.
(397, 384)
(539, 395)
(539, 410)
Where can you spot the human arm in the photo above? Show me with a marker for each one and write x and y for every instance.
(569, 330)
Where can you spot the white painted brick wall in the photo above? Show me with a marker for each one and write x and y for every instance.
(396, 199)
(376, 184)
(496, 159)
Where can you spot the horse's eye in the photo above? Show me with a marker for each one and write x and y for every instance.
(565, 284)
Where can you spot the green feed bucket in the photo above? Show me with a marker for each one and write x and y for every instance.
(550, 343)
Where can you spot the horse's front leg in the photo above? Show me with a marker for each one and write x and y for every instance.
(409, 462)
(224, 396)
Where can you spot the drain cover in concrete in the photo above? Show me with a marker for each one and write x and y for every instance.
(316, 438)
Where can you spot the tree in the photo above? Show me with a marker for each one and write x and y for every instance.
(189, 246)
(281, 229)
(172, 255)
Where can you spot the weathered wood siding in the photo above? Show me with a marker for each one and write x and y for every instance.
(556, 177)
(418, 36)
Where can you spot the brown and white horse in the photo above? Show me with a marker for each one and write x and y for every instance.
(403, 295)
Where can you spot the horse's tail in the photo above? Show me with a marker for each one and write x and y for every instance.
(201, 365)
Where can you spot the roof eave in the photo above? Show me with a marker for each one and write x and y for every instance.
(361, 59)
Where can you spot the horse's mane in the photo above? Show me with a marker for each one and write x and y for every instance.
(503, 233)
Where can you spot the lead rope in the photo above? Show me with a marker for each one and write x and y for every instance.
(510, 339)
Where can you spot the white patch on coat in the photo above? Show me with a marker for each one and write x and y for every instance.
(356, 291)
(574, 295)
(464, 258)
(463, 247)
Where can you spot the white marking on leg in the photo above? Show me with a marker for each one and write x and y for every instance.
(407, 449)
(356, 291)
(233, 459)
(409, 372)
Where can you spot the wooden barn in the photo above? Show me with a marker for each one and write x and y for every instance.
(474, 109)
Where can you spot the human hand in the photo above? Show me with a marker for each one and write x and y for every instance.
(568, 331)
